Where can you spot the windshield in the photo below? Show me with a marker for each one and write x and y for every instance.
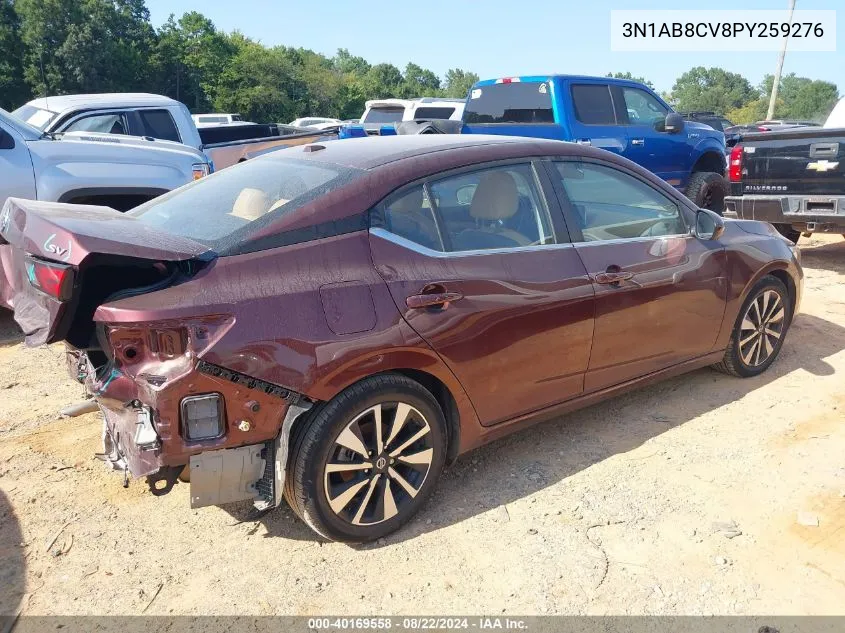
(514, 102)
(224, 208)
(391, 114)
(36, 117)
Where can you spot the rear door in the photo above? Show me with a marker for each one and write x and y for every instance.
(592, 116)
(660, 292)
(478, 268)
(667, 155)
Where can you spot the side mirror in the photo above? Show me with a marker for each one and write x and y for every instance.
(674, 123)
(708, 225)
(6, 140)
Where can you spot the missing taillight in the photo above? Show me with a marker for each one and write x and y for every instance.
(53, 279)
(735, 164)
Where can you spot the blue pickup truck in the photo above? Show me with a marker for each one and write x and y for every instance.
(618, 115)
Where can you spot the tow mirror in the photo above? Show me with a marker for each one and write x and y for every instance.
(708, 225)
(674, 123)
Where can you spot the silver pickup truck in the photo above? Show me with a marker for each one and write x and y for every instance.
(158, 117)
(89, 168)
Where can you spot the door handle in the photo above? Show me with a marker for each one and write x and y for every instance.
(638, 142)
(612, 277)
(584, 141)
(442, 299)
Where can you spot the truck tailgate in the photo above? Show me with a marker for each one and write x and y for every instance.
(805, 161)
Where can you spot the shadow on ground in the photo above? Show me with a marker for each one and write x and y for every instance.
(12, 560)
(10, 333)
(543, 455)
(826, 257)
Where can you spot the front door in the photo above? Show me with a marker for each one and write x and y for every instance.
(660, 292)
(479, 270)
(667, 155)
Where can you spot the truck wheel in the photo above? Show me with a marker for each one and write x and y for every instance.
(759, 331)
(368, 459)
(708, 190)
(788, 232)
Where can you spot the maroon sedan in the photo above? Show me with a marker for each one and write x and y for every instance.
(333, 323)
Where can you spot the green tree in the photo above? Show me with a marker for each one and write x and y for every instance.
(419, 82)
(712, 89)
(13, 89)
(458, 82)
(85, 45)
(750, 112)
(350, 64)
(628, 75)
(801, 97)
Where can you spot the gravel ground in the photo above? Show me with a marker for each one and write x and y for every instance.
(702, 495)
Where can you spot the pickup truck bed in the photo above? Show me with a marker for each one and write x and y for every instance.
(794, 179)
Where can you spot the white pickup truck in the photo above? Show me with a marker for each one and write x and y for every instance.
(89, 168)
(158, 117)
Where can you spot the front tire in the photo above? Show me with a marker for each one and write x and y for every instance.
(759, 331)
(707, 190)
(368, 459)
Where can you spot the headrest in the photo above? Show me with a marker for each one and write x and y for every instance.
(250, 204)
(495, 198)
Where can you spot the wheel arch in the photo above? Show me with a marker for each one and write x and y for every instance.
(710, 160)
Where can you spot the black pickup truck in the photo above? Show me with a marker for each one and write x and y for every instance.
(793, 178)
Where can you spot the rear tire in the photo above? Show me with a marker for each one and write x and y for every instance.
(788, 232)
(707, 190)
(759, 331)
(354, 480)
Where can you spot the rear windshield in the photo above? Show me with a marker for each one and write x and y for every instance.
(516, 102)
(226, 207)
(431, 112)
(392, 114)
(36, 117)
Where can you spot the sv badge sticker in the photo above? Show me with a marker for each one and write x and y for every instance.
(55, 249)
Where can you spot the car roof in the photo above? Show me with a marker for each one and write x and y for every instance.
(411, 102)
(375, 151)
(539, 78)
(106, 100)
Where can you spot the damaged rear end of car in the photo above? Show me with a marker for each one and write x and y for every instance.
(166, 412)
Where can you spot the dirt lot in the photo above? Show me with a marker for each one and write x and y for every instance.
(705, 494)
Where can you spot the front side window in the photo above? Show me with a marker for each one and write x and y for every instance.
(111, 123)
(609, 204)
(228, 206)
(642, 107)
(511, 102)
(593, 104)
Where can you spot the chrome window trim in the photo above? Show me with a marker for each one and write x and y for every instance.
(423, 250)
(627, 240)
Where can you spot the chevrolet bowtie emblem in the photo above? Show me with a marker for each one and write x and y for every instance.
(822, 165)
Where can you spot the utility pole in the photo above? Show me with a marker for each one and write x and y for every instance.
(774, 96)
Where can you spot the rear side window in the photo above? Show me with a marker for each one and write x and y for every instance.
(228, 206)
(384, 115)
(409, 215)
(433, 113)
(593, 104)
(159, 124)
(515, 102)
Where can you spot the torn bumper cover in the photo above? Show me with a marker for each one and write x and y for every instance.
(144, 434)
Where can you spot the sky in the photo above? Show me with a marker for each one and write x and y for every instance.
(495, 38)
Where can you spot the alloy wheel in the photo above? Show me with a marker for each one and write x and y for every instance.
(378, 464)
(762, 328)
